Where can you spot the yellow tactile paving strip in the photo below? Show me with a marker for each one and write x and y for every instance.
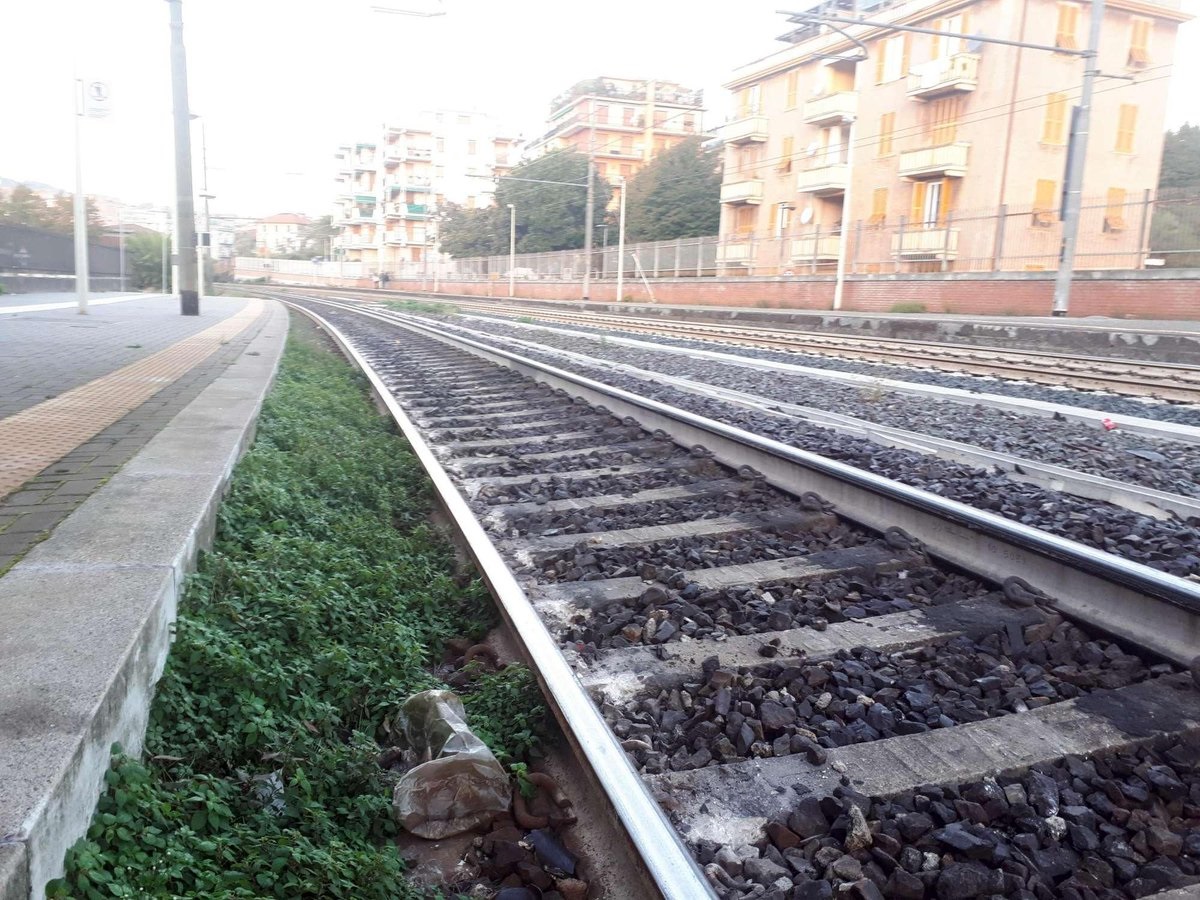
(34, 438)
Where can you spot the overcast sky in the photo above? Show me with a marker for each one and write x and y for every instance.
(282, 82)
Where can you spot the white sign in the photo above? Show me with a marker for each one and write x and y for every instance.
(97, 101)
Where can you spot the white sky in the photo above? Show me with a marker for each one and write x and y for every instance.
(282, 82)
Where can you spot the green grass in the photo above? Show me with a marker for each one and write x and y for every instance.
(325, 599)
(907, 306)
(423, 307)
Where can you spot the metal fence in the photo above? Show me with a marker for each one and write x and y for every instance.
(27, 252)
(1114, 233)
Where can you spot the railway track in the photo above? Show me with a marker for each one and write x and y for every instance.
(1164, 381)
(796, 679)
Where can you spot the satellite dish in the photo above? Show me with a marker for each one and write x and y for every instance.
(806, 216)
(973, 45)
(813, 148)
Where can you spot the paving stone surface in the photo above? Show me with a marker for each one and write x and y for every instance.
(30, 513)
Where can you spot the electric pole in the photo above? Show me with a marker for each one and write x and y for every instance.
(189, 295)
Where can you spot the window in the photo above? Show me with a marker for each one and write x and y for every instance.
(879, 202)
(660, 117)
(689, 122)
(1054, 125)
(789, 150)
(471, 148)
(441, 145)
(464, 120)
(793, 86)
(1139, 40)
(1044, 202)
(833, 143)
(946, 47)
(1126, 125)
(887, 128)
(1114, 210)
(602, 114)
(891, 58)
(1068, 27)
(931, 202)
(743, 219)
(941, 122)
(626, 115)
(749, 101)
(747, 159)
(785, 218)
(627, 146)
(626, 170)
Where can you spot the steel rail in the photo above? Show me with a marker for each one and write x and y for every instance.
(1143, 605)
(668, 863)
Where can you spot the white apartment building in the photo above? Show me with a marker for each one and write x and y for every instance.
(390, 188)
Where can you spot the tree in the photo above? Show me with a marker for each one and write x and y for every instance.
(472, 232)
(1181, 160)
(677, 195)
(23, 206)
(551, 216)
(244, 242)
(143, 261)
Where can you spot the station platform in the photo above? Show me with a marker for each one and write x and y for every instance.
(118, 433)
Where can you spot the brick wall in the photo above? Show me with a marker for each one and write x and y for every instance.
(1148, 299)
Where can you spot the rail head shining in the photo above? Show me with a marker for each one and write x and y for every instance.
(668, 863)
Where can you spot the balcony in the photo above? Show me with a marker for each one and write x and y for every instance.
(947, 161)
(738, 252)
(745, 131)
(816, 246)
(747, 191)
(409, 211)
(938, 77)
(926, 243)
(394, 238)
(832, 109)
(823, 178)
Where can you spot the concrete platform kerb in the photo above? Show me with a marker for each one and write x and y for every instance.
(87, 616)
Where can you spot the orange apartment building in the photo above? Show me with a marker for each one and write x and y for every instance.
(389, 190)
(943, 154)
(625, 122)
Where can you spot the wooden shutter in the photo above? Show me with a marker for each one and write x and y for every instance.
(1139, 41)
(936, 41)
(881, 50)
(917, 212)
(1068, 24)
(1126, 126)
(1114, 210)
(1054, 124)
(793, 84)
(879, 202)
(946, 200)
(1043, 202)
(887, 127)
(942, 126)
(773, 220)
(906, 52)
(789, 150)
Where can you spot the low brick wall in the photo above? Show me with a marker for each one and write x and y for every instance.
(1158, 294)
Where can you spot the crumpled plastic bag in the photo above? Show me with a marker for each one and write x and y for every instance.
(461, 786)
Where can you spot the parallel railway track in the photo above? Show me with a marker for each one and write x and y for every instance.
(1165, 381)
(731, 629)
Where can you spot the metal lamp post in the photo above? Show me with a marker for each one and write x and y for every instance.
(512, 250)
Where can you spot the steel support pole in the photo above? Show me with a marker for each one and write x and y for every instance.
(589, 214)
(844, 236)
(80, 206)
(512, 250)
(1073, 187)
(621, 245)
(189, 296)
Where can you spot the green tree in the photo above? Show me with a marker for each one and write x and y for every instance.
(23, 206)
(677, 195)
(472, 232)
(550, 216)
(1181, 160)
(143, 261)
(243, 242)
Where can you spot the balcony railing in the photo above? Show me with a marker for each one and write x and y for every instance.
(947, 160)
(409, 210)
(745, 131)
(828, 174)
(926, 242)
(747, 191)
(737, 252)
(816, 246)
(938, 77)
(832, 108)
